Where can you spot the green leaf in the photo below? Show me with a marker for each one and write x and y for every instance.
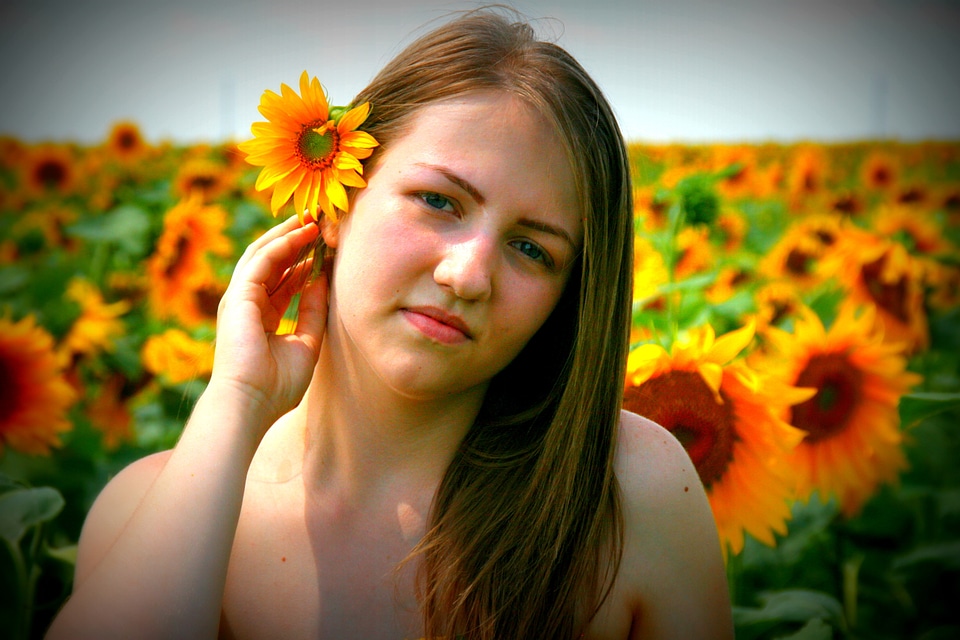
(67, 554)
(791, 605)
(23, 508)
(815, 629)
(127, 226)
(943, 555)
(13, 277)
(917, 407)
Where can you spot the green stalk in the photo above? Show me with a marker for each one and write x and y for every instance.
(20, 607)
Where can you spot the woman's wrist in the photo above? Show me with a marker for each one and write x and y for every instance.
(233, 411)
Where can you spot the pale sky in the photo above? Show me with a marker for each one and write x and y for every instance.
(683, 70)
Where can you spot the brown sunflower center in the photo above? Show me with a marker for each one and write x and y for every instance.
(51, 174)
(9, 390)
(838, 384)
(317, 144)
(889, 296)
(682, 403)
(176, 261)
(799, 262)
(127, 140)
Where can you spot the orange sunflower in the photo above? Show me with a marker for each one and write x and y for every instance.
(125, 141)
(177, 357)
(210, 178)
(180, 266)
(726, 415)
(880, 171)
(109, 414)
(880, 272)
(853, 438)
(808, 172)
(776, 302)
(50, 170)
(98, 324)
(34, 394)
(308, 150)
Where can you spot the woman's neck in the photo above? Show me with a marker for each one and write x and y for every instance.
(363, 439)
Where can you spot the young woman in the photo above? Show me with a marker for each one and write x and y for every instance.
(439, 450)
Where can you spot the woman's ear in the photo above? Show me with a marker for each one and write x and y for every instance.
(330, 230)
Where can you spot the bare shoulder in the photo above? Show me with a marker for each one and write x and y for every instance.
(672, 564)
(113, 508)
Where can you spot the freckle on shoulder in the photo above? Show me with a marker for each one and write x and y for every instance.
(649, 456)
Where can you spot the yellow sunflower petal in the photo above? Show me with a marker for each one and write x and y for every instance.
(358, 139)
(354, 118)
(730, 344)
(284, 189)
(337, 194)
(352, 179)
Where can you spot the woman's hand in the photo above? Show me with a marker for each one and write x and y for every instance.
(273, 370)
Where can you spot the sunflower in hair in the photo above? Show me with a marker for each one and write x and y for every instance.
(308, 150)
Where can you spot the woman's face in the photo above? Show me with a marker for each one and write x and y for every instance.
(458, 249)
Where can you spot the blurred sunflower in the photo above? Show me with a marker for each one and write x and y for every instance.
(739, 163)
(796, 254)
(879, 171)
(125, 142)
(944, 283)
(199, 305)
(180, 264)
(177, 357)
(916, 228)
(731, 228)
(730, 279)
(879, 272)
(807, 174)
(915, 194)
(109, 414)
(649, 209)
(50, 169)
(208, 177)
(308, 150)
(776, 302)
(649, 271)
(50, 221)
(853, 438)
(34, 394)
(847, 202)
(726, 416)
(98, 324)
(694, 253)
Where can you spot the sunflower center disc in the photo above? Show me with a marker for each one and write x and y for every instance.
(838, 385)
(682, 403)
(317, 144)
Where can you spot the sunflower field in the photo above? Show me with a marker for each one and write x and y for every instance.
(795, 314)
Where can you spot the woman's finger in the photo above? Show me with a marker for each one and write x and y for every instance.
(312, 313)
(268, 265)
(268, 236)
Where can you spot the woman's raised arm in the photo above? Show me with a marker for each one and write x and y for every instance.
(154, 550)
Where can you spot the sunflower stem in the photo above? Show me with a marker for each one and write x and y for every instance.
(676, 218)
(734, 570)
(21, 606)
(851, 573)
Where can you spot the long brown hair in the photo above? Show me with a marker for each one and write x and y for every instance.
(525, 530)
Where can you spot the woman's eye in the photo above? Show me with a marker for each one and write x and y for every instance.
(533, 251)
(437, 201)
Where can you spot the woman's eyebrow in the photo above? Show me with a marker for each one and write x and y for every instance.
(455, 179)
(474, 193)
(546, 227)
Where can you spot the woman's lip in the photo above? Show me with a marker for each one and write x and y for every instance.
(438, 324)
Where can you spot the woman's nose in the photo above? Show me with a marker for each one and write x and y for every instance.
(467, 267)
